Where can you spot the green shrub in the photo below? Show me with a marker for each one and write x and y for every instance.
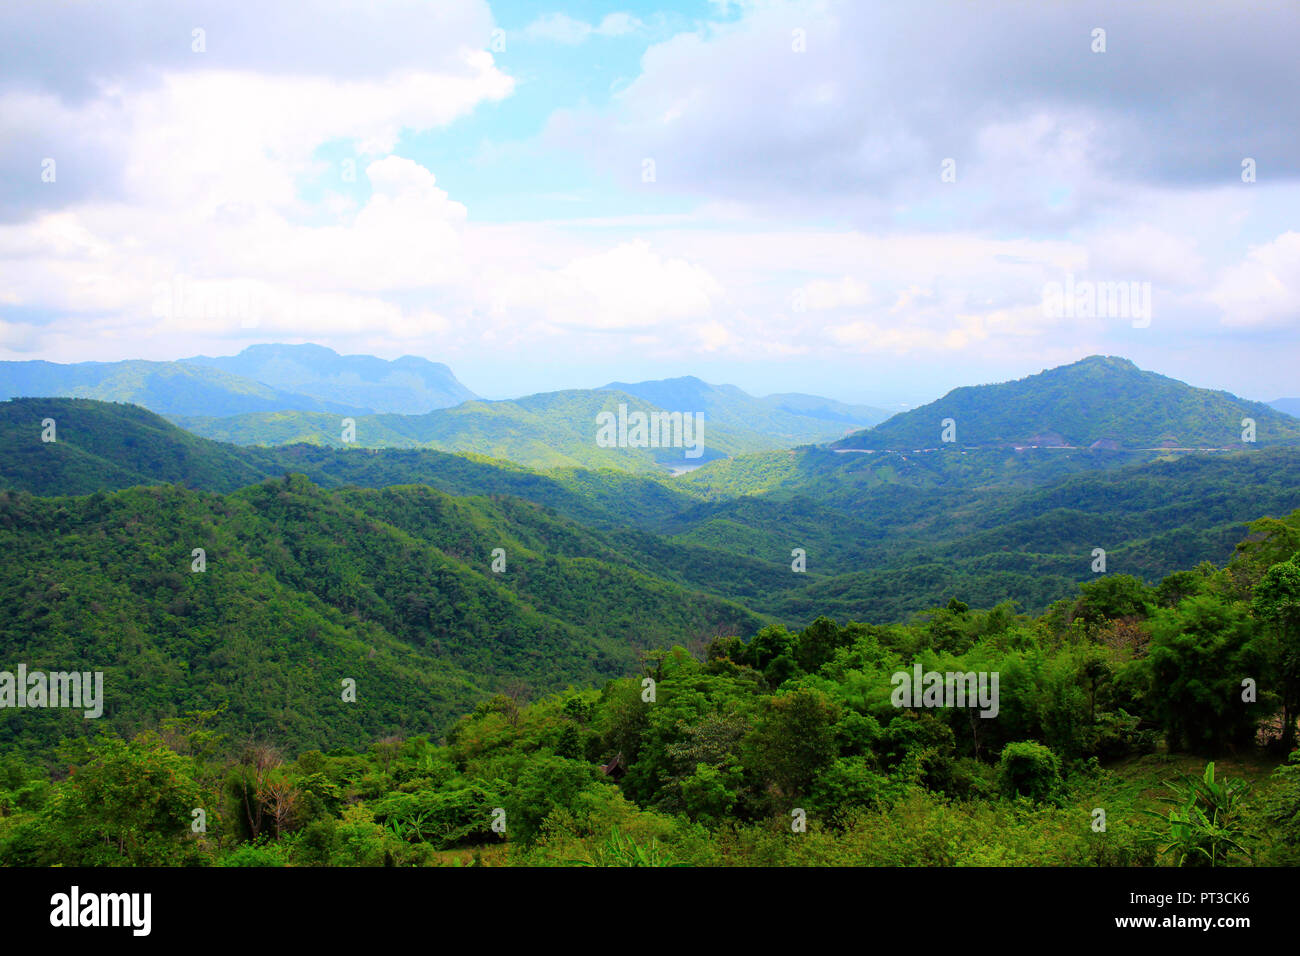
(1028, 769)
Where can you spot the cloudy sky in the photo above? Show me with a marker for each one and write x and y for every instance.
(863, 199)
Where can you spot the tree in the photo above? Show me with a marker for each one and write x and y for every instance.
(125, 804)
(1112, 597)
(1200, 653)
(768, 644)
(793, 741)
(1270, 542)
(1277, 602)
(817, 644)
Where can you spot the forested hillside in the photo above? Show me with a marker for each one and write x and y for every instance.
(884, 535)
(792, 417)
(1098, 399)
(301, 588)
(791, 748)
(548, 430)
(595, 666)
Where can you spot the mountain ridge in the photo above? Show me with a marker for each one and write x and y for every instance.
(407, 385)
(1101, 401)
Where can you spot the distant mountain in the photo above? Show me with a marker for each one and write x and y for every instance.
(558, 429)
(1290, 406)
(169, 388)
(548, 430)
(1100, 400)
(796, 418)
(406, 386)
(103, 446)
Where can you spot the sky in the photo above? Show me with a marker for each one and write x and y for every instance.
(873, 201)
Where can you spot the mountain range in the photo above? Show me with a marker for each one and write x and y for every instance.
(262, 378)
(285, 394)
(1290, 406)
(281, 394)
(326, 562)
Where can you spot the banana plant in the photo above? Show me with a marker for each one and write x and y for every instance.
(1203, 825)
(621, 850)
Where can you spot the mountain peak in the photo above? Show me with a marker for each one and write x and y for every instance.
(1104, 361)
(1101, 398)
(409, 385)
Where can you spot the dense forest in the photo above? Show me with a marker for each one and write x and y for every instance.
(787, 748)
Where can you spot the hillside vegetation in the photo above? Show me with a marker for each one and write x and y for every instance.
(788, 749)
(1097, 399)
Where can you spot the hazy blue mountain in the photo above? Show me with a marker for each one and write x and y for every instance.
(169, 388)
(1291, 406)
(408, 385)
(1100, 399)
(795, 418)
(548, 430)
(558, 429)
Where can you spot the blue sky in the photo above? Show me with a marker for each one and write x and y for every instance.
(866, 200)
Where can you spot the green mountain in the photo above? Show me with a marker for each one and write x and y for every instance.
(409, 385)
(706, 770)
(304, 587)
(169, 388)
(889, 534)
(1099, 399)
(885, 535)
(101, 446)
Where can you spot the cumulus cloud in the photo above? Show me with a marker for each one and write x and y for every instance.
(1264, 289)
(1042, 130)
(798, 208)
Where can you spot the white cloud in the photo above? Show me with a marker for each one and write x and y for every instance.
(629, 286)
(202, 171)
(1263, 289)
(208, 166)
